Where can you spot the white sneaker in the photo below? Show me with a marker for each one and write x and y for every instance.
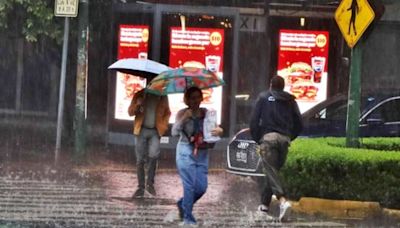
(171, 217)
(183, 224)
(284, 210)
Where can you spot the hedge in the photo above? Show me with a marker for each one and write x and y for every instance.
(323, 167)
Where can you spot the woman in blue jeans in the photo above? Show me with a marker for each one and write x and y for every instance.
(191, 158)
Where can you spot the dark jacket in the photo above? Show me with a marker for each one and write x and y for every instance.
(275, 111)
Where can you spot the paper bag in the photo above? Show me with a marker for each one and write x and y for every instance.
(210, 122)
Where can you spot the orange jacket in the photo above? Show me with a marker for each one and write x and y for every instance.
(162, 113)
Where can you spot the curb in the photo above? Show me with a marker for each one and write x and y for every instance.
(340, 209)
(391, 213)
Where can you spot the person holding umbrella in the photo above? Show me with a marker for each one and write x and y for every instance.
(151, 122)
(152, 115)
(192, 152)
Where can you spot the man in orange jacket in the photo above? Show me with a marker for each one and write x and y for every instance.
(151, 122)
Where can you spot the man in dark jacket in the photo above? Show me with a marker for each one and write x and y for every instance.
(275, 122)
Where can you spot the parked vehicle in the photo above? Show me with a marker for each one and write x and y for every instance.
(242, 155)
(379, 117)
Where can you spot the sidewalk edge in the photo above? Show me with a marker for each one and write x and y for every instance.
(342, 209)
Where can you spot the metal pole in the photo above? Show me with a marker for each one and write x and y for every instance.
(353, 106)
(62, 89)
(81, 82)
(20, 72)
(234, 79)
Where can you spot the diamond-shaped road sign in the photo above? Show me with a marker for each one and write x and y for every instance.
(353, 18)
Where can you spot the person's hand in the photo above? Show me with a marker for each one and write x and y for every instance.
(217, 131)
(139, 106)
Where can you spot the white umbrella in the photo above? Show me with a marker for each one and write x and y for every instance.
(140, 67)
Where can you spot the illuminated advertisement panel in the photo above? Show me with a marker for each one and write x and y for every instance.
(303, 63)
(132, 43)
(197, 47)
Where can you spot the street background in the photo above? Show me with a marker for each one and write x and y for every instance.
(35, 192)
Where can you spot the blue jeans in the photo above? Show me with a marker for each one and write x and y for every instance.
(193, 171)
(147, 148)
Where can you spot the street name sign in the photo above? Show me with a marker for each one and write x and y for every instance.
(353, 18)
(66, 8)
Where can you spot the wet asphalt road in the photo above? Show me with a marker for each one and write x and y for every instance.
(36, 193)
(100, 196)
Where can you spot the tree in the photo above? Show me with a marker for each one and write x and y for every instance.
(29, 19)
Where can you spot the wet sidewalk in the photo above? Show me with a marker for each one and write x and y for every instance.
(39, 194)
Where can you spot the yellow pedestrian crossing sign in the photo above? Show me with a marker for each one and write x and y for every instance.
(353, 18)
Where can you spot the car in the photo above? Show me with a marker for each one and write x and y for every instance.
(243, 155)
(380, 116)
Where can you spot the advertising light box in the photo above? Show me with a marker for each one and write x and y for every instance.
(303, 63)
(197, 47)
(132, 43)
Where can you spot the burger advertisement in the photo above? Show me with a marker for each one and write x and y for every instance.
(202, 48)
(132, 43)
(303, 63)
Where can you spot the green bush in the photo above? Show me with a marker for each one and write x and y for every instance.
(381, 144)
(323, 167)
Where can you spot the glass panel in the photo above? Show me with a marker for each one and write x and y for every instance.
(199, 40)
(388, 112)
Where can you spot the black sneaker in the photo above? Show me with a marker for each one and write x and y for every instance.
(150, 189)
(180, 209)
(262, 214)
(262, 208)
(139, 193)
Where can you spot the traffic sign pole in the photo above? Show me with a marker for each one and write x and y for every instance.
(62, 89)
(353, 18)
(353, 105)
(63, 9)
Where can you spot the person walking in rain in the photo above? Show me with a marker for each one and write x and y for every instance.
(275, 121)
(151, 122)
(191, 158)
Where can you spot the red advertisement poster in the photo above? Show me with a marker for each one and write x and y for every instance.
(197, 47)
(303, 63)
(132, 43)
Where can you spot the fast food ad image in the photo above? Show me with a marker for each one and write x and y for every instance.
(303, 63)
(132, 84)
(193, 63)
(297, 71)
(201, 48)
(126, 87)
(300, 82)
(213, 63)
(318, 66)
(304, 90)
(207, 93)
